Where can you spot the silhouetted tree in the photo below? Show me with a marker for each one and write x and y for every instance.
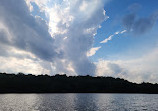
(21, 83)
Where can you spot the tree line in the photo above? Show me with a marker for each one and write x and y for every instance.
(22, 83)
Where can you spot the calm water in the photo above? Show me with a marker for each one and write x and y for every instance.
(78, 102)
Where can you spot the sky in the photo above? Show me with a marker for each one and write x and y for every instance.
(117, 38)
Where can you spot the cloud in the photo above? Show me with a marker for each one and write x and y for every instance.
(115, 68)
(134, 7)
(109, 68)
(107, 39)
(139, 25)
(93, 51)
(60, 43)
(123, 31)
(111, 36)
(25, 32)
(135, 70)
(15, 65)
(144, 25)
(128, 21)
(24, 37)
(78, 21)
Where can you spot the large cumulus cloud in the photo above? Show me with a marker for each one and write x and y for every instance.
(59, 44)
(23, 36)
(23, 31)
(73, 24)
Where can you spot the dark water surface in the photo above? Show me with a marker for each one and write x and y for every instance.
(78, 102)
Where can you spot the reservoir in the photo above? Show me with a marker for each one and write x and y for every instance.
(78, 102)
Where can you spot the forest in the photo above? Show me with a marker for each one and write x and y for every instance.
(28, 83)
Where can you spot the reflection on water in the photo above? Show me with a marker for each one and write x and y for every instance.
(78, 102)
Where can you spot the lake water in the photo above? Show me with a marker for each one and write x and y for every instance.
(78, 102)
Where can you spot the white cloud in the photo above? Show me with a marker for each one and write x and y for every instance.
(116, 33)
(83, 6)
(14, 65)
(15, 60)
(123, 31)
(111, 36)
(135, 70)
(107, 39)
(93, 51)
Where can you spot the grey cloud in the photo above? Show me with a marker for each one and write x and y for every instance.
(143, 25)
(115, 67)
(26, 32)
(78, 43)
(139, 25)
(134, 7)
(128, 21)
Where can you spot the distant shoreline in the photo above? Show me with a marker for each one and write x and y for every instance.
(42, 84)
